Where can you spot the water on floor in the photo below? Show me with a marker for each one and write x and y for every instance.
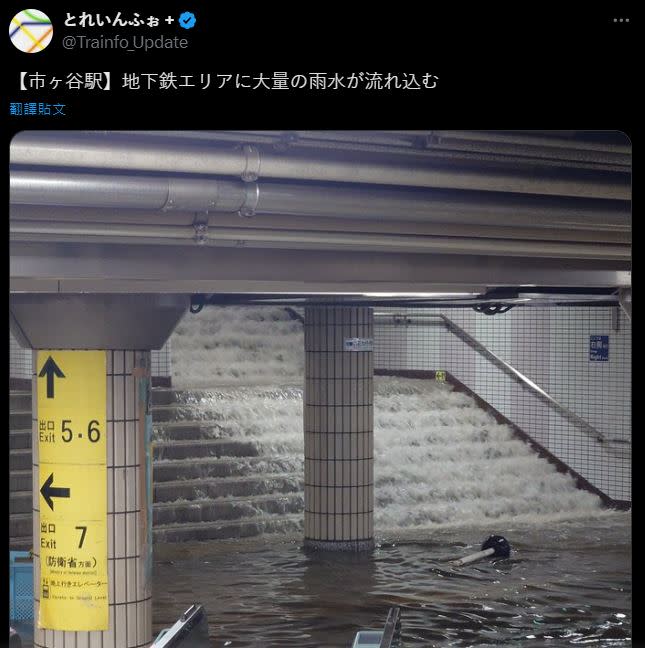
(447, 475)
(566, 583)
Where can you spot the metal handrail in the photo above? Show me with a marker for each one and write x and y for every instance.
(483, 350)
(416, 319)
(392, 629)
(455, 329)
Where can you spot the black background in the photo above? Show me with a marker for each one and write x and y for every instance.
(528, 67)
(536, 68)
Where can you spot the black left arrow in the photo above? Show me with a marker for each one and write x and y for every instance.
(48, 491)
(50, 369)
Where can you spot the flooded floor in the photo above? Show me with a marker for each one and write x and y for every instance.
(566, 583)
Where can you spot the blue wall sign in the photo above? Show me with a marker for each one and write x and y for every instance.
(599, 348)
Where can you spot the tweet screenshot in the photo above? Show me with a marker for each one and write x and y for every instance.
(319, 357)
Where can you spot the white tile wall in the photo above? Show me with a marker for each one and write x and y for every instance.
(551, 347)
(161, 365)
(20, 360)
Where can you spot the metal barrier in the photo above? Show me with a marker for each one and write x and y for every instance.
(389, 637)
(392, 631)
(190, 631)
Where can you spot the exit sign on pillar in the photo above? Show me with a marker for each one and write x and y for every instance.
(72, 460)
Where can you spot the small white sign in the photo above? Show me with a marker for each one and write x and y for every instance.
(359, 344)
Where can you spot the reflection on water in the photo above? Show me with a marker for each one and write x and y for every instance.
(567, 584)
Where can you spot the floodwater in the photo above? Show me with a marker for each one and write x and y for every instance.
(446, 477)
(566, 583)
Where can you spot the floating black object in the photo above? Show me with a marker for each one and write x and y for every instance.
(499, 544)
(495, 547)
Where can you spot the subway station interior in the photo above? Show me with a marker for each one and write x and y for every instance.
(320, 389)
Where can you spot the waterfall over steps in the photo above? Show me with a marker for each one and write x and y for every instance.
(229, 442)
(235, 465)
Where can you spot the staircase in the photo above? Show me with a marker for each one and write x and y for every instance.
(212, 479)
(228, 444)
(441, 459)
(228, 463)
(20, 473)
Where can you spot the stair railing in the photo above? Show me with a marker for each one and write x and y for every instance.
(442, 320)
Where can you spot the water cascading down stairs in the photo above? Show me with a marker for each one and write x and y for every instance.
(228, 444)
(221, 470)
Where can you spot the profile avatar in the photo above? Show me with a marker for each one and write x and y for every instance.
(31, 30)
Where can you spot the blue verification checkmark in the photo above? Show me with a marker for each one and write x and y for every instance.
(187, 20)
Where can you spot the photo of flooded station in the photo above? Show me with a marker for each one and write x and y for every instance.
(320, 389)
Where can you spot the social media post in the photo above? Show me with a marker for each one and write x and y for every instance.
(319, 357)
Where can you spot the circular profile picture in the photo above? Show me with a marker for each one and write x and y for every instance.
(30, 30)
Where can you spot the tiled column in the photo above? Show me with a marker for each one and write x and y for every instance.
(129, 510)
(339, 430)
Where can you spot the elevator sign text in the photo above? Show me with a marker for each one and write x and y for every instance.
(599, 348)
(358, 344)
(72, 473)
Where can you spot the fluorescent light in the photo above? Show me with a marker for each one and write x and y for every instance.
(422, 295)
(322, 293)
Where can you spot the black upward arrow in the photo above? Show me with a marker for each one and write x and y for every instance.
(50, 369)
(47, 491)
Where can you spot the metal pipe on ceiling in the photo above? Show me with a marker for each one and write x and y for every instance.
(507, 137)
(443, 150)
(506, 147)
(210, 195)
(115, 215)
(393, 138)
(259, 237)
(107, 152)
(451, 153)
(126, 192)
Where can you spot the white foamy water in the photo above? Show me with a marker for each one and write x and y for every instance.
(237, 345)
(440, 460)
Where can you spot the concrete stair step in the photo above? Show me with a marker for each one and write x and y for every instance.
(20, 502)
(188, 430)
(21, 543)
(20, 480)
(19, 401)
(20, 420)
(167, 413)
(161, 397)
(19, 439)
(195, 397)
(212, 409)
(224, 467)
(234, 508)
(20, 459)
(204, 448)
(20, 525)
(247, 527)
(193, 489)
